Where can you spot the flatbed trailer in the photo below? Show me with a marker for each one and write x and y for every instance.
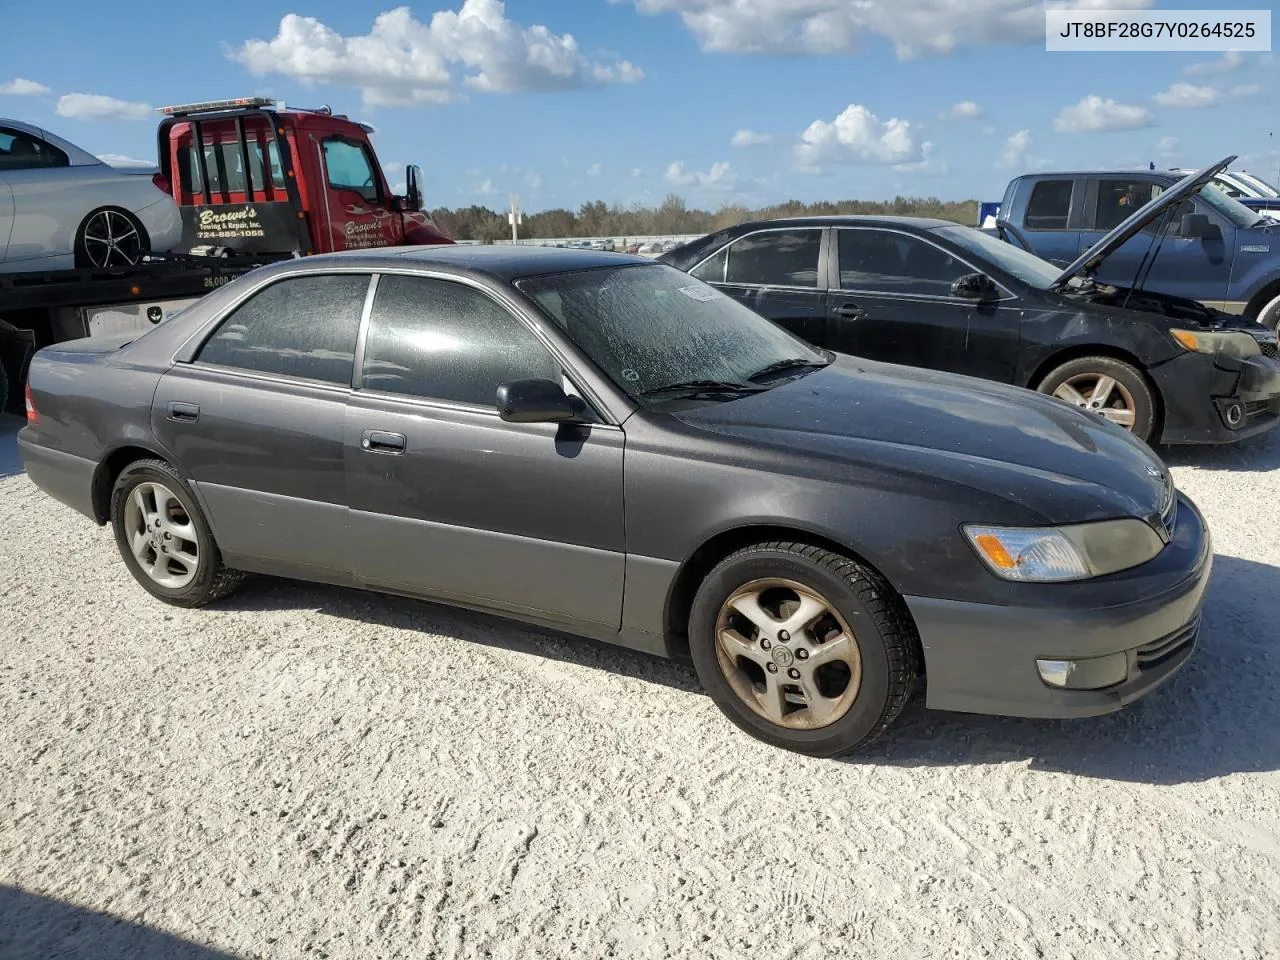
(52, 306)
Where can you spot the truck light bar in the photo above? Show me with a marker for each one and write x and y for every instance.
(210, 106)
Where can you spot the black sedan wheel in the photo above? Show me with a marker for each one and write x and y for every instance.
(164, 538)
(1110, 388)
(803, 648)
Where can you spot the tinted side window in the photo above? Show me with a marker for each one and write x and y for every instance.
(303, 327)
(349, 168)
(21, 151)
(787, 258)
(1049, 206)
(896, 263)
(1118, 199)
(713, 270)
(446, 341)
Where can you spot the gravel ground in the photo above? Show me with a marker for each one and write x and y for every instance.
(307, 772)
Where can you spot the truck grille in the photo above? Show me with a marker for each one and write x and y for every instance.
(1270, 348)
(1158, 651)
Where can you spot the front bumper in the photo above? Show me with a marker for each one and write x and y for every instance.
(1211, 400)
(981, 658)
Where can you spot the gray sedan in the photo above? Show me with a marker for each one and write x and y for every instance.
(62, 207)
(607, 446)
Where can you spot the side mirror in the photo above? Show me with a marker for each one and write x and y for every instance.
(1198, 226)
(973, 286)
(413, 187)
(537, 401)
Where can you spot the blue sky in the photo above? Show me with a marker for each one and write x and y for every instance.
(751, 101)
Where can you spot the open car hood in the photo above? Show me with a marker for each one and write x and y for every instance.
(1091, 258)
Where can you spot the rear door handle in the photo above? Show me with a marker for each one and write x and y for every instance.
(379, 441)
(184, 412)
(850, 311)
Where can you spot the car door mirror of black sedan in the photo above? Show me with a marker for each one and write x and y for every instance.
(974, 286)
(537, 401)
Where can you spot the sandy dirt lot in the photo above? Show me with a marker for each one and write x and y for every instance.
(307, 772)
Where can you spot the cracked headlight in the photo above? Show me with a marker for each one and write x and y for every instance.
(1055, 554)
(1223, 343)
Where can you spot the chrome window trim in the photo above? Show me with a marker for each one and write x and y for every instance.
(279, 379)
(453, 406)
(933, 298)
(816, 288)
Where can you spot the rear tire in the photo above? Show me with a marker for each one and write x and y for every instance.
(165, 539)
(111, 237)
(1269, 315)
(1108, 387)
(825, 658)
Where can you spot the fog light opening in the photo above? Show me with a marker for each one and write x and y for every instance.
(1055, 673)
(1234, 414)
(1093, 673)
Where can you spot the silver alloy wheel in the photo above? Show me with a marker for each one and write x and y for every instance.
(112, 240)
(1269, 316)
(1100, 394)
(162, 537)
(788, 654)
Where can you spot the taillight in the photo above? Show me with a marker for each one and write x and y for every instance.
(161, 181)
(32, 416)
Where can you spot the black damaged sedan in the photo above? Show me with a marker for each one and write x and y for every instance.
(939, 295)
(603, 445)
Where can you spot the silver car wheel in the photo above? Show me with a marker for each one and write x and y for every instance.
(162, 537)
(788, 654)
(112, 239)
(1100, 394)
(1269, 316)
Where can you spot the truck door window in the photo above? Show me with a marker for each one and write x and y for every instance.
(348, 167)
(1118, 199)
(888, 262)
(1049, 206)
(22, 151)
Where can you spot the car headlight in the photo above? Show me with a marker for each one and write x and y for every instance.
(1076, 552)
(1224, 343)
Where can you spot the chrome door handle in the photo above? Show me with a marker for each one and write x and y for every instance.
(379, 441)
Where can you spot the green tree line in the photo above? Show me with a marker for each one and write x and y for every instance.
(599, 219)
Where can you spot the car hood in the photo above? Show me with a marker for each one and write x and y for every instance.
(1091, 258)
(1059, 464)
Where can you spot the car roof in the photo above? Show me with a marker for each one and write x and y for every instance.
(506, 262)
(1143, 172)
(835, 220)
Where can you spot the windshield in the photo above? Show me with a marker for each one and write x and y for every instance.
(1027, 267)
(1238, 214)
(1263, 188)
(649, 327)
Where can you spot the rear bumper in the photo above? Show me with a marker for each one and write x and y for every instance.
(1218, 401)
(63, 476)
(981, 658)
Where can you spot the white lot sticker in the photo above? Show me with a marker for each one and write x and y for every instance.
(701, 294)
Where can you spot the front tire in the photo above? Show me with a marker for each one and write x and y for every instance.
(803, 648)
(1110, 388)
(164, 538)
(1269, 316)
(111, 237)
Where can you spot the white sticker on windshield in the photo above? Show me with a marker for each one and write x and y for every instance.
(701, 294)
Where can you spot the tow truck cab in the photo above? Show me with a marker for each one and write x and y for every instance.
(322, 188)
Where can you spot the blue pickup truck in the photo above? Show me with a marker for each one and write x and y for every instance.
(1209, 248)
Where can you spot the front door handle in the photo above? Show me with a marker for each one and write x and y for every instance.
(850, 311)
(379, 441)
(184, 412)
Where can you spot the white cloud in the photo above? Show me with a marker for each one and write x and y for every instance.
(1014, 152)
(19, 87)
(637, 173)
(94, 106)
(533, 180)
(989, 131)
(928, 164)
(485, 187)
(858, 136)
(1246, 90)
(1187, 96)
(1167, 146)
(749, 138)
(393, 167)
(402, 61)
(839, 26)
(1093, 114)
(719, 177)
(965, 110)
(124, 162)
(1229, 61)
(595, 170)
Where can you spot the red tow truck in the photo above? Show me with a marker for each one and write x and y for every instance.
(267, 183)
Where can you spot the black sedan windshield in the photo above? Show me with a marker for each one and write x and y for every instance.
(653, 327)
